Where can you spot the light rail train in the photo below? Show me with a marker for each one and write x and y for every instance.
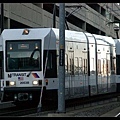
(29, 61)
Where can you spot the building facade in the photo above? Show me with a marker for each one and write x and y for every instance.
(96, 18)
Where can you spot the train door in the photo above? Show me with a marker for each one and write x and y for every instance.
(66, 77)
(99, 67)
(99, 75)
(106, 72)
(93, 77)
(85, 77)
(81, 76)
(112, 68)
(104, 76)
(85, 69)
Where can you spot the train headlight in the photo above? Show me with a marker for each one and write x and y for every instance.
(25, 32)
(11, 83)
(35, 82)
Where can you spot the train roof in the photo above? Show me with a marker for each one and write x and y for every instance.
(42, 32)
(108, 40)
(71, 35)
(36, 33)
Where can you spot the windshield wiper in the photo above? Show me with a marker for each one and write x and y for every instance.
(29, 74)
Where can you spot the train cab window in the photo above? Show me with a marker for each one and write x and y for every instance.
(22, 55)
(50, 68)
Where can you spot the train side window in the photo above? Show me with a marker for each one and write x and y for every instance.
(71, 66)
(76, 64)
(51, 67)
(99, 66)
(85, 66)
(113, 63)
(103, 66)
(114, 66)
(80, 66)
(93, 62)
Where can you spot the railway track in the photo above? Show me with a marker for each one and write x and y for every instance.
(20, 111)
(17, 111)
(6, 104)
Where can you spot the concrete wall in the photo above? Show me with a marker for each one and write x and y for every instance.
(34, 16)
(25, 13)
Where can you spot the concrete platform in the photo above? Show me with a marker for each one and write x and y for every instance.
(112, 113)
(60, 114)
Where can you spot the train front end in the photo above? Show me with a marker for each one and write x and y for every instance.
(23, 71)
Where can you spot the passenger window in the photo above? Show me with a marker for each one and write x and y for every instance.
(76, 64)
(80, 66)
(103, 67)
(99, 66)
(71, 66)
(85, 66)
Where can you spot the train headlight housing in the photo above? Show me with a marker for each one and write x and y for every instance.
(11, 83)
(35, 82)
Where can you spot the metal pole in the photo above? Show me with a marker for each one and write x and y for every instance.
(54, 16)
(2, 17)
(61, 89)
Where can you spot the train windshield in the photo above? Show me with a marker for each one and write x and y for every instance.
(23, 55)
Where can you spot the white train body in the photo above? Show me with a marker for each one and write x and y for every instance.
(117, 43)
(88, 63)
